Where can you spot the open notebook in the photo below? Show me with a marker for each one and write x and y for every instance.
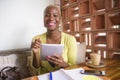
(72, 74)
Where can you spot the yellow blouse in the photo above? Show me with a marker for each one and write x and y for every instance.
(69, 54)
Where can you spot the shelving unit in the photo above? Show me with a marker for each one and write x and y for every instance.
(99, 40)
(84, 6)
(98, 5)
(112, 4)
(85, 23)
(65, 14)
(96, 22)
(114, 40)
(114, 19)
(74, 11)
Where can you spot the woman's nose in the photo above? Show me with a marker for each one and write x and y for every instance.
(51, 17)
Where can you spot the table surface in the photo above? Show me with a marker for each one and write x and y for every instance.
(112, 70)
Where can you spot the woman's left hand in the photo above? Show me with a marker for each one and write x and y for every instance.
(57, 60)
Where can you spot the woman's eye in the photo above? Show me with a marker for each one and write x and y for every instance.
(47, 15)
(55, 15)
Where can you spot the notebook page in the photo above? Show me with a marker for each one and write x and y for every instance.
(57, 75)
(75, 75)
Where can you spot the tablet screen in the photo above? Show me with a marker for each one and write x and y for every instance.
(51, 49)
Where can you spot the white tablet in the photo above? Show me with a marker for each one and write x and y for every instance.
(51, 49)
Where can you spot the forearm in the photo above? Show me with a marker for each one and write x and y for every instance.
(36, 60)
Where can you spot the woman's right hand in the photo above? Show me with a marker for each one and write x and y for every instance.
(35, 46)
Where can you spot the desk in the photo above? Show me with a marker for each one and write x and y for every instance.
(112, 70)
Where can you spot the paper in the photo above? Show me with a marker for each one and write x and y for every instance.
(72, 74)
(75, 75)
(57, 75)
(90, 77)
(51, 49)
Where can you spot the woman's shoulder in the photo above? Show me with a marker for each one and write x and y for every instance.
(68, 39)
(67, 35)
(39, 36)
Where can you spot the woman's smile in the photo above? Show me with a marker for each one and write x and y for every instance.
(50, 24)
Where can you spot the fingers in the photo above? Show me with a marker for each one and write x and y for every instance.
(36, 44)
(57, 60)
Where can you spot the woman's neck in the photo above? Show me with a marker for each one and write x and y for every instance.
(53, 37)
(53, 34)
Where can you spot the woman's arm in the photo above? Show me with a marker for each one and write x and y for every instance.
(35, 47)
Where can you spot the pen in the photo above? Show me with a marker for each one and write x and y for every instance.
(51, 78)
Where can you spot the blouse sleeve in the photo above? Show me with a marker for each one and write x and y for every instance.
(72, 51)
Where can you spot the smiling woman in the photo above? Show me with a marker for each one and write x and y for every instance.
(51, 18)
(52, 36)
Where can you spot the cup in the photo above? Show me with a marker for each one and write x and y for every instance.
(95, 58)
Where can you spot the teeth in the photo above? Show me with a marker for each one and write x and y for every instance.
(51, 24)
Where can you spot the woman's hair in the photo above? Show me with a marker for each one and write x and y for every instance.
(51, 6)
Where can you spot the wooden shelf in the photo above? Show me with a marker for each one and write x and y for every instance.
(84, 8)
(99, 40)
(96, 22)
(98, 5)
(86, 37)
(74, 11)
(64, 3)
(85, 24)
(65, 14)
(77, 36)
(66, 27)
(114, 40)
(114, 19)
(74, 25)
(112, 4)
(73, 1)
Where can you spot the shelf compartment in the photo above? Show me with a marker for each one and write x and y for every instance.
(99, 40)
(74, 25)
(112, 4)
(114, 40)
(86, 37)
(112, 53)
(98, 21)
(64, 13)
(85, 24)
(84, 8)
(66, 26)
(98, 5)
(77, 36)
(74, 11)
(73, 1)
(64, 2)
(114, 19)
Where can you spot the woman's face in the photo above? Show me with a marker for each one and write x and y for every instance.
(52, 18)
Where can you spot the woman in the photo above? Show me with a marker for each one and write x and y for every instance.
(52, 36)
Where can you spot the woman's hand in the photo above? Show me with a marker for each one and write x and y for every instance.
(35, 46)
(57, 60)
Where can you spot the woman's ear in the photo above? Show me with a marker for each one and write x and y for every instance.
(60, 24)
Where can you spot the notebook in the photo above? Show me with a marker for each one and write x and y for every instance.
(72, 74)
